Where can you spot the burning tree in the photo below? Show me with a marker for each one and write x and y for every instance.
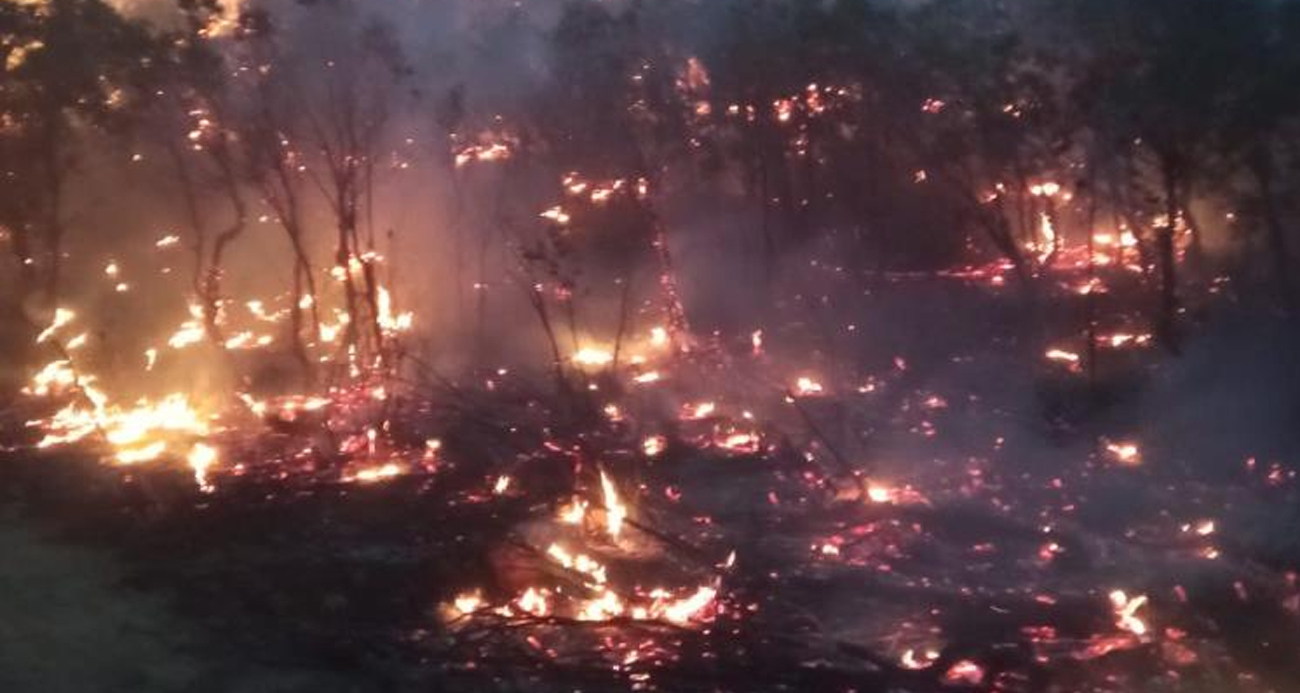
(881, 472)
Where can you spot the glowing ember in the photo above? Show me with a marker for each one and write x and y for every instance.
(910, 660)
(965, 672)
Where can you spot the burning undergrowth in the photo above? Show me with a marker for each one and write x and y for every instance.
(691, 376)
(633, 531)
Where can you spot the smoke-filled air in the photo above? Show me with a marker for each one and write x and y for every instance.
(743, 346)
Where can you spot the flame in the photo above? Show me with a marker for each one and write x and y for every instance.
(580, 563)
(965, 672)
(373, 474)
(202, 457)
(1062, 356)
(53, 377)
(739, 442)
(389, 321)
(483, 153)
(468, 603)
(647, 378)
(603, 608)
(701, 410)
(191, 331)
(557, 215)
(573, 513)
(683, 610)
(535, 602)
(909, 660)
(659, 337)
(654, 446)
(807, 387)
(18, 54)
(615, 511)
(1126, 612)
(1125, 453)
(62, 316)
(879, 494)
(593, 357)
(1048, 245)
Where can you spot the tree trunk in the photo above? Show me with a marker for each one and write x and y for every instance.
(1262, 167)
(1167, 258)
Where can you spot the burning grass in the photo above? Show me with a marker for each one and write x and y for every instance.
(708, 530)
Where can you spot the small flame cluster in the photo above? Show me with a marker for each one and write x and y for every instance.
(594, 598)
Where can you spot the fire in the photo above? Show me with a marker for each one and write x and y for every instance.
(580, 563)
(593, 357)
(380, 473)
(909, 659)
(703, 410)
(1062, 356)
(807, 387)
(557, 215)
(877, 493)
(574, 512)
(647, 378)
(484, 153)
(191, 331)
(54, 376)
(965, 672)
(1122, 339)
(1126, 612)
(468, 603)
(201, 458)
(683, 610)
(654, 446)
(615, 511)
(389, 321)
(739, 442)
(62, 316)
(534, 601)
(603, 608)
(1128, 454)
(145, 453)
(658, 337)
